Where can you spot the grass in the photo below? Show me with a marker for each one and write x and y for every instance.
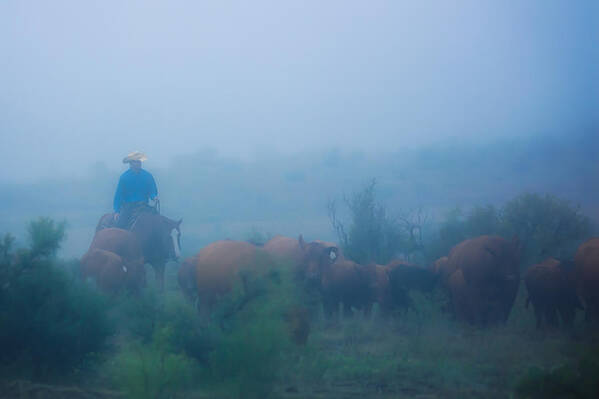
(428, 354)
(163, 349)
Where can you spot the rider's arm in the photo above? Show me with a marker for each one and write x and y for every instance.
(118, 196)
(152, 187)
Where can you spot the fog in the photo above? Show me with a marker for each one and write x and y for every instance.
(253, 115)
(85, 82)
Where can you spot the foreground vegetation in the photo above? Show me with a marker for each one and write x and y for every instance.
(58, 329)
(160, 348)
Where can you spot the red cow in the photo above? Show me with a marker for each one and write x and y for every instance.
(486, 288)
(587, 276)
(551, 289)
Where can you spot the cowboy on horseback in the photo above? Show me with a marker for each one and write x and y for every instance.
(136, 186)
(158, 236)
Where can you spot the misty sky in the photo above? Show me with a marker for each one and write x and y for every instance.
(88, 81)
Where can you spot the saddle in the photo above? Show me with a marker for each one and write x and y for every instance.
(128, 216)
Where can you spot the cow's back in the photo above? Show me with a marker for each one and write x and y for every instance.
(121, 242)
(285, 248)
(219, 264)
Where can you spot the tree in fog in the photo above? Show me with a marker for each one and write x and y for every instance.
(371, 234)
(546, 225)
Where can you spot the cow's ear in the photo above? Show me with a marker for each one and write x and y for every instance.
(302, 243)
(333, 253)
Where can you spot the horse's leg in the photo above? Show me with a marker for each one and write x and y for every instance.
(159, 272)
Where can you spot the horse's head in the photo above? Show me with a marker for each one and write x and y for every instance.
(174, 239)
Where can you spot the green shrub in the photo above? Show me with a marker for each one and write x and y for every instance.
(484, 220)
(51, 322)
(151, 371)
(457, 227)
(143, 317)
(246, 359)
(169, 345)
(565, 381)
(45, 236)
(251, 336)
(546, 226)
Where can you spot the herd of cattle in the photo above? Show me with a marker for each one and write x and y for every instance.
(480, 276)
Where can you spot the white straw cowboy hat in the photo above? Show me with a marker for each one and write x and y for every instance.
(135, 156)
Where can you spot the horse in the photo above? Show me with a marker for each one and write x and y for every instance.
(159, 236)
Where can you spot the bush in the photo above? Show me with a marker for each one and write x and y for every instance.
(151, 371)
(451, 231)
(237, 352)
(45, 236)
(251, 335)
(372, 236)
(51, 323)
(484, 220)
(546, 226)
(152, 313)
(457, 227)
(246, 360)
(579, 381)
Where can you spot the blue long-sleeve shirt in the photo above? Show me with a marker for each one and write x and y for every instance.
(134, 187)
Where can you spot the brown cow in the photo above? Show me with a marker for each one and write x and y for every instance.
(158, 236)
(405, 277)
(551, 289)
(348, 283)
(587, 276)
(121, 242)
(381, 287)
(111, 272)
(410, 276)
(443, 270)
(114, 260)
(307, 259)
(317, 257)
(285, 249)
(462, 299)
(489, 268)
(221, 266)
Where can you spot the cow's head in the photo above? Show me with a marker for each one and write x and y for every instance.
(317, 257)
